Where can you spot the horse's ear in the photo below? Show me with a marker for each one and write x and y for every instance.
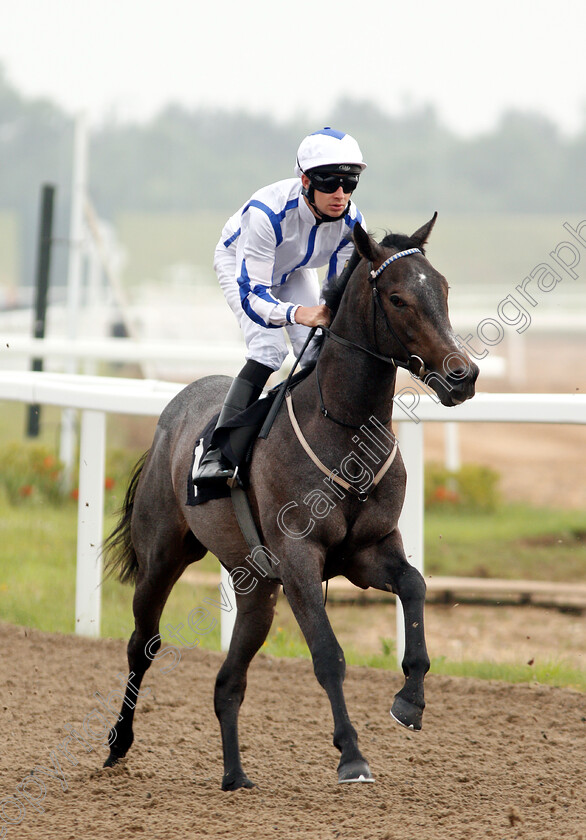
(421, 236)
(366, 246)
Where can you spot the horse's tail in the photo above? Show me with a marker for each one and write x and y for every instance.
(121, 559)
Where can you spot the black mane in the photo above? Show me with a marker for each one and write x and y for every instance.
(334, 290)
(336, 287)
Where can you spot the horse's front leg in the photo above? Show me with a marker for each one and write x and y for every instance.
(303, 589)
(385, 567)
(407, 708)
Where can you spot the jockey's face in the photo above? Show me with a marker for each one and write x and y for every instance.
(331, 204)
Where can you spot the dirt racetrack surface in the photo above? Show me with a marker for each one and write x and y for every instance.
(493, 760)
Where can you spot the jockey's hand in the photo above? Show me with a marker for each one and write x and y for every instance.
(313, 316)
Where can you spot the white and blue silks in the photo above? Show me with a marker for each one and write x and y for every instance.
(266, 263)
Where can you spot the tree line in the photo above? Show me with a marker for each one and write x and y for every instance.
(195, 160)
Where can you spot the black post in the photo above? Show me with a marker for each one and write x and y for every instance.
(45, 243)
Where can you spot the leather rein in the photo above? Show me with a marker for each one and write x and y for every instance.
(414, 364)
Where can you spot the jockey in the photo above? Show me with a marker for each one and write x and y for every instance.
(266, 263)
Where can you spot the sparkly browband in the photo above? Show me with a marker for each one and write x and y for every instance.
(374, 274)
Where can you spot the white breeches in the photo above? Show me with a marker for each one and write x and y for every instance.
(268, 345)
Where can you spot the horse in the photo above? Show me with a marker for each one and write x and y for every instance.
(389, 309)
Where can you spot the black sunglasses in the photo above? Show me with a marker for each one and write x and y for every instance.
(331, 182)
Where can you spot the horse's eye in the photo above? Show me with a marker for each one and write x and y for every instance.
(396, 301)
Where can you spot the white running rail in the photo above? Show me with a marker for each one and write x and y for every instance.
(96, 396)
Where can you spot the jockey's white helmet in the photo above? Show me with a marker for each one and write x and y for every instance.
(328, 147)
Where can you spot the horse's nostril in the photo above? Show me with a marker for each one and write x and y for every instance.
(458, 374)
(464, 372)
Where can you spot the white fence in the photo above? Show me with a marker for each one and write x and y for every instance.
(120, 350)
(97, 396)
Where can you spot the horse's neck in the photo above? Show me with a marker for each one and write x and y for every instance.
(354, 385)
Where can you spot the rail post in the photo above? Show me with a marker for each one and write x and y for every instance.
(411, 519)
(74, 283)
(90, 523)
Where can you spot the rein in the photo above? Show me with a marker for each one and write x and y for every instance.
(414, 364)
(353, 346)
(418, 371)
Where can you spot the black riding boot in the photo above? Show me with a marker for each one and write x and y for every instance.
(244, 390)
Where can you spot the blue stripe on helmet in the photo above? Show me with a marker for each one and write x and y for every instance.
(330, 132)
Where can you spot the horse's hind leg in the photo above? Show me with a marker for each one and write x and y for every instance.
(154, 584)
(253, 622)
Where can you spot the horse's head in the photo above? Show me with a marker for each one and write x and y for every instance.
(409, 320)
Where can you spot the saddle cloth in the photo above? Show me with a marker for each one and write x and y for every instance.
(252, 418)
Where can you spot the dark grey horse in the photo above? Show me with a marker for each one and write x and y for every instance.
(386, 313)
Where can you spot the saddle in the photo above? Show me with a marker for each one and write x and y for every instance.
(257, 419)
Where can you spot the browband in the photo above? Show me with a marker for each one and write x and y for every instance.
(374, 274)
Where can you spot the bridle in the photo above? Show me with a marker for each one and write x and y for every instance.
(362, 495)
(414, 364)
(417, 370)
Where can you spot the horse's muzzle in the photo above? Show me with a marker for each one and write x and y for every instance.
(457, 386)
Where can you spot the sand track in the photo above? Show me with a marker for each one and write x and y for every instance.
(493, 760)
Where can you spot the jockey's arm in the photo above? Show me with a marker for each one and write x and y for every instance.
(313, 316)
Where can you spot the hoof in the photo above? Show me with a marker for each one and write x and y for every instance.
(407, 714)
(356, 771)
(115, 756)
(237, 782)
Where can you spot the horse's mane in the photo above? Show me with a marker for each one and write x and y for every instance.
(335, 289)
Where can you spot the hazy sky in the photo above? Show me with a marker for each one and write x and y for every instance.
(471, 60)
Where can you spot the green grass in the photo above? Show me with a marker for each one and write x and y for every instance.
(132, 434)
(37, 585)
(555, 673)
(38, 556)
(288, 642)
(38, 542)
(155, 241)
(516, 542)
(462, 247)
